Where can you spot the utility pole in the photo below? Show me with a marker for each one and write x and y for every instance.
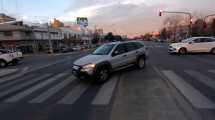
(49, 39)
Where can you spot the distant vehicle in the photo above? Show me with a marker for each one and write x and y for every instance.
(7, 57)
(76, 48)
(194, 44)
(67, 49)
(110, 57)
(17, 57)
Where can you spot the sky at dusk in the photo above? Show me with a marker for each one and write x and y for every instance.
(131, 17)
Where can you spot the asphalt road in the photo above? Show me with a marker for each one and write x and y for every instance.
(170, 87)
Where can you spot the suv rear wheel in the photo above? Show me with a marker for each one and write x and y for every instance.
(3, 64)
(103, 74)
(141, 63)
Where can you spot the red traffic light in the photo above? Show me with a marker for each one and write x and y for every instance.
(160, 12)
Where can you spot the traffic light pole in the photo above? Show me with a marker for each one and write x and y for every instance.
(186, 13)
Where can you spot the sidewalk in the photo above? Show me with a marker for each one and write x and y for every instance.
(144, 95)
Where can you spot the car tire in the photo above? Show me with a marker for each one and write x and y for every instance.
(182, 51)
(213, 51)
(2, 64)
(103, 74)
(141, 63)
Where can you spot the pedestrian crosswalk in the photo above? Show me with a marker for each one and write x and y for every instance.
(195, 96)
(44, 96)
(73, 95)
(14, 76)
(104, 95)
(4, 72)
(40, 89)
(212, 71)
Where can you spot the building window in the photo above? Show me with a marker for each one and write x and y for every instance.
(8, 33)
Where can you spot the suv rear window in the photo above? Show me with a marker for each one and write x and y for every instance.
(138, 45)
(131, 47)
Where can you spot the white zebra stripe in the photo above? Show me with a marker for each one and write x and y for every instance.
(196, 98)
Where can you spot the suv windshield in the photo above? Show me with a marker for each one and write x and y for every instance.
(104, 50)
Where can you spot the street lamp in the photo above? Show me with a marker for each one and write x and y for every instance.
(176, 12)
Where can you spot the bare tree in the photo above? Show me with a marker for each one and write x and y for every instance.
(173, 23)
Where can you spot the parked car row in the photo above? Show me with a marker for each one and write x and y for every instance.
(9, 57)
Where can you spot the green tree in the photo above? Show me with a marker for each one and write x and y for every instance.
(109, 37)
(198, 28)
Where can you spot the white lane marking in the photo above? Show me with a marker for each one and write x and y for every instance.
(197, 99)
(46, 95)
(202, 78)
(74, 95)
(5, 72)
(105, 93)
(12, 77)
(27, 92)
(212, 71)
(21, 86)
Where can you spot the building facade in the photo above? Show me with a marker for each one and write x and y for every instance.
(29, 39)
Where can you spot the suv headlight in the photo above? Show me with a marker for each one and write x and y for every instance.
(89, 68)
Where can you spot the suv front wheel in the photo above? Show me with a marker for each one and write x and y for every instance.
(103, 74)
(141, 63)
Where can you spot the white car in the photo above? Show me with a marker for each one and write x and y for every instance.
(7, 57)
(194, 44)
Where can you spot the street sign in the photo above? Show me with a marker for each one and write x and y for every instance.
(83, 21)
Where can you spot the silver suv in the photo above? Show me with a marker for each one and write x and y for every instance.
(110, 57)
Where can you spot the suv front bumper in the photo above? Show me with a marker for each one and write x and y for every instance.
(77, 72)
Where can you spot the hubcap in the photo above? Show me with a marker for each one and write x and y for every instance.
(141, 63)
(103, 75)
(182, 51)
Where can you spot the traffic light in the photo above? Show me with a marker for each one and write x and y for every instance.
(160, 12)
